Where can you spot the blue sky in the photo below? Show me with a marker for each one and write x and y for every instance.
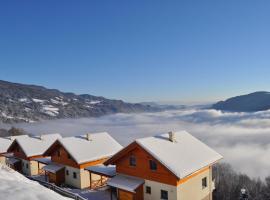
(138, 50)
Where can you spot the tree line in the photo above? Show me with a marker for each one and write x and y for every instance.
(13, 131)
(229, 184)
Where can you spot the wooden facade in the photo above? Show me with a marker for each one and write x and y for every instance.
(142, 169)
(58, 178)
(60, 155)
(125, 195)
(160, 174)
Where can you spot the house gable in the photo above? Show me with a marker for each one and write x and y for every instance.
(60, 155)
(17, 150)
(142, 168)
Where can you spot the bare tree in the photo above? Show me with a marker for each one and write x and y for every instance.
(16, 131)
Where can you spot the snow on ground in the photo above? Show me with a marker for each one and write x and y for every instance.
(50, 110)
(6, 116)
(38, 100)
(59, 102)
(93, 102)
(27, 109)
(3, 114)
(100, 194)
(23, 100)
(87, 106)
(14, 186)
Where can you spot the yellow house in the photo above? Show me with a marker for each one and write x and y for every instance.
(5, 142)
(73, 156)
(172, 166)
(27, 150)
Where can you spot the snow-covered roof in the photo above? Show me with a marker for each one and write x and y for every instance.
(12, 160)
(46, 160)
(82, 150)
(125, 182)
(184, 156)
(13, 137)
(109, 170)
(37, 145)
(5, 142)
(53, 168)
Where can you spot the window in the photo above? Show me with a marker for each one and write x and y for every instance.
(132, 161)
(148, 190)
(27, 166)
(58, 153)
(67, 172)
(74, 175)
(204, 182)
(164, 194)
(69, 157)
(153, 165)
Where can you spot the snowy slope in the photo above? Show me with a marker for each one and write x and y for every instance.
(29, 103)
(14, 186)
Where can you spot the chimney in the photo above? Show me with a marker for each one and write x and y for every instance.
(88, 137)
(172, 136)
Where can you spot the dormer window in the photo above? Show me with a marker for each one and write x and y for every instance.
(153, 165)
(132, 161)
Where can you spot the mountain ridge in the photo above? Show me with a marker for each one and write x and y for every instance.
(29, 103)
(253, 102)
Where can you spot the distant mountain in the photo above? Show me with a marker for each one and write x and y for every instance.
(257, 101)
(163, 106)
(27, 103)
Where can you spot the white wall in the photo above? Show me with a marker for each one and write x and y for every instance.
(85, 178)
(32, 167)
(2, 160)
(69, 180)
(156, 188)
(189, 190)
(25, 170)
(82, 180)
(192, 188)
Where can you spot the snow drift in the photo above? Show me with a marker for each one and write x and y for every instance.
(14, 186)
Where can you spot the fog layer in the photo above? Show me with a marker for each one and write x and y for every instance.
(242, 138)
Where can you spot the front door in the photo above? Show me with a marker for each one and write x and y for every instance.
(58, 178)
(124, 195)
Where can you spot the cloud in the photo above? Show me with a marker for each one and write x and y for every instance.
(242, 138)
